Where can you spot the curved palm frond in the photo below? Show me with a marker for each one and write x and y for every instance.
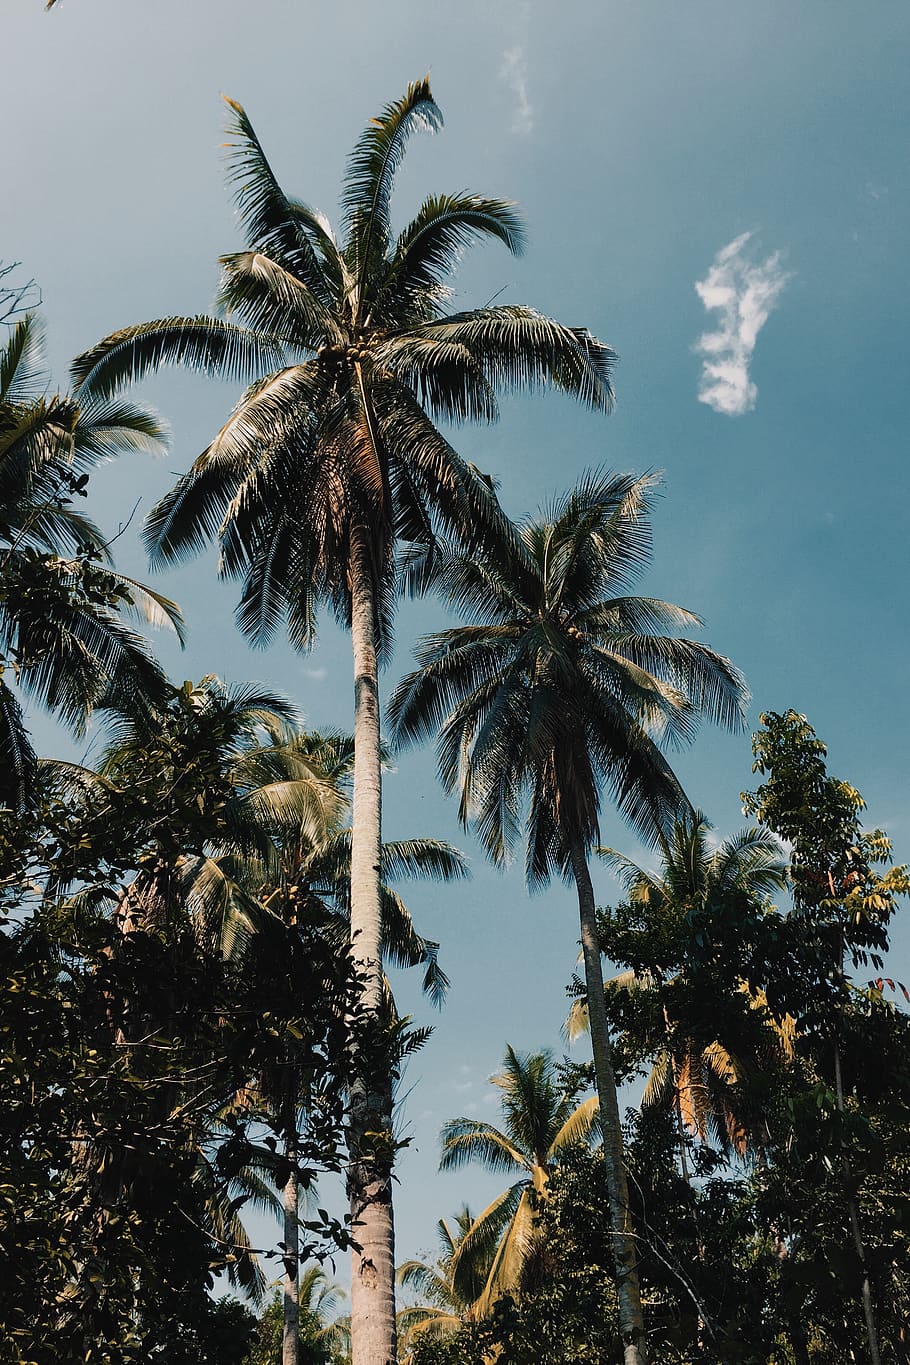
(465, 1140)
(18, 761)
(23, 372)
(369, 178)
(203, 343)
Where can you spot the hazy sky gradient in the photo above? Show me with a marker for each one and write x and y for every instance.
(642, 139)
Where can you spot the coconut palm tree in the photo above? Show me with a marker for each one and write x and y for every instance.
(331, 458)
(541, 1118)
(62, 633)
(700, 1075)
(557, 689)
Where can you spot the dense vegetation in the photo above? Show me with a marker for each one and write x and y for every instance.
(196, 1019)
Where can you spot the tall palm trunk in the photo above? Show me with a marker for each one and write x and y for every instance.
(631, 1318)
(290, 1339)
(370, 1170)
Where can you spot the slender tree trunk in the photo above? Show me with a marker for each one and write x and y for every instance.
(853, 1210)
(290, 1339)
(631, 1318)
(370, 1133)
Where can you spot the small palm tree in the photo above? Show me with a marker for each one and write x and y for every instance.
(558, 688)
(450, 1288)
(324, 1335)
(62, 633)
(541, 1120)
(332, 459)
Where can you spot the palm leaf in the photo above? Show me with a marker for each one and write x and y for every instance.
(577, 1127)
(203, 343)
(269, 218)
(23, 377)
(464, 1140)
(518, 348)
(18, 763)
(371, 172)
(429, 248)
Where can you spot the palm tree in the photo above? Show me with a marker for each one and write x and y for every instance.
(557, 689)
(330, 458)
(451, 1287)
(325, 1337)
(541, 1120)
(62, 635)
(452, 1299)
(696, 1073)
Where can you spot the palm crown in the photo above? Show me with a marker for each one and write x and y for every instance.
(560, 687)
(354, 355)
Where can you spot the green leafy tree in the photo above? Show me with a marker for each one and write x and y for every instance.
(122, 1051)
(332, 458)
(842, 907)
(553, 692)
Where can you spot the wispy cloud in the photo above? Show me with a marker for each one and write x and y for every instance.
(316, 674)
(514, 71)
(744, 291)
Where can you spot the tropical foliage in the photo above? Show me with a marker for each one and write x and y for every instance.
(200, 921)
(63, 638)
(542, 1117)
(701, 1076)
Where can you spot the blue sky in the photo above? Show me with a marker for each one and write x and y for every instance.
(642, 139)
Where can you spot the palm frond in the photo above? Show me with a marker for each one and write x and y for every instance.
(403, 946)
(18, 763)
(465, 1140)
(511, 1253)
(577, 1127)
(423, 858)
(371, 172)
(23, 373)
(203, 343)
(518, 348)
(268, 298)
(429, 248)
(271, 221)
(660, 1086)
(149, 605)
(108, 428)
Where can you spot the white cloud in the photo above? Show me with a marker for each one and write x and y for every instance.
(744, 292)
(316, 674)
(514, 71)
